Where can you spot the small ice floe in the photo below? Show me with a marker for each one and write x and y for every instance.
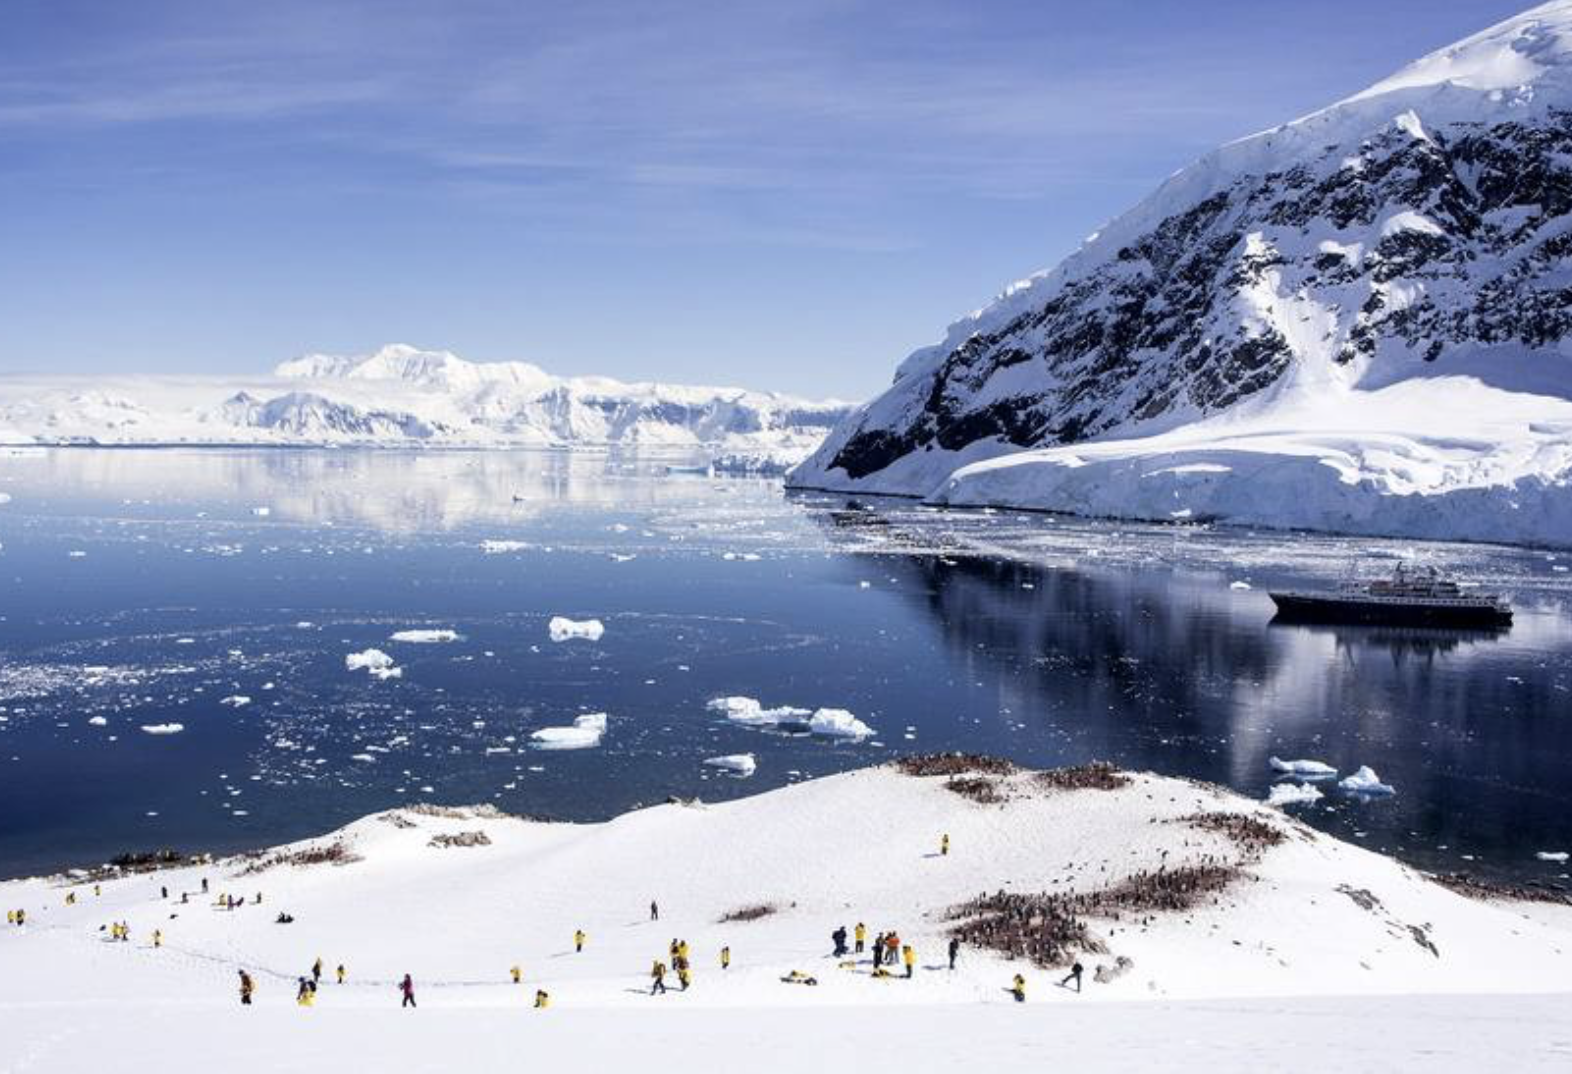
(5, 497)
(77, 553)
(1365, 781)
(235, 701)
(424, 637)
(748, 711)
(738, 764)
(1303, 769)
(1558, 856)
(98, 721)
(497, 548)
(838, 723)
(564, 629)
(378, 663)
(163, 728)
(1239, 585)
(584, 733)
(1287, 794)
(617, 557)
(261, 512)
(831, 723)
(365, 758)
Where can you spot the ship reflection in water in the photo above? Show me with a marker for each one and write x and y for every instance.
(1167, 666)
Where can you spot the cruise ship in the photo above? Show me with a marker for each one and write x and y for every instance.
(1413, 596)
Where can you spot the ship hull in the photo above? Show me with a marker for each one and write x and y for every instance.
(1315, 608)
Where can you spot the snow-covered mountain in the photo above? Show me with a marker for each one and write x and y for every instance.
(1356, 321)
(402, 396)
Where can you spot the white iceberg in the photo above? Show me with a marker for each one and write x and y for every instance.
(1287, 794)
(584, 733)
(564, 629)
(1558, 856)
(261, 512)
(98, 721)
(235, 701)
(163, 728)
(497, 548)
(750, 712)
(838, 723)
(1365, 781)
(375, 661)
(740, 764)
(831, 723)
(424, 637)
(368, 659)
(1303, 768)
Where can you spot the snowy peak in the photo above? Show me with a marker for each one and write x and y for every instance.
(1511, 56)
(442, 370)
(1418, 231)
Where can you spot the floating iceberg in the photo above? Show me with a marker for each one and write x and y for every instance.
(831, 723)
(741, 764)
(748, 710)
(584, 733)
(235, 701)
(424, 637)
(1287, 794)
(563, 629)
(375, 661)
(163, 728)
(1559, 856)
(1365, 781)
(838, 723)
(1305, 769)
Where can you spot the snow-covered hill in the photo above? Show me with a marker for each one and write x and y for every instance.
(402, 396)
(1166, 890)
(1357, 321)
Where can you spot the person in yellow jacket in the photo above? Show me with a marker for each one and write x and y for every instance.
(860, 934)
(1018, 988)
(658, 978)
(684, 976)
(342, 973)
(518, 974)
(725, 958)
(682, 950)
(909, 956)
(10, 917)
(944, 844)
(542, 999)
(578, 940)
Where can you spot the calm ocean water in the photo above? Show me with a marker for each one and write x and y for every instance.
(150, 588)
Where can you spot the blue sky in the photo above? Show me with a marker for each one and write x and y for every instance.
(788, 195)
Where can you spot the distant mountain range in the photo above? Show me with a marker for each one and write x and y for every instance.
(401, 396)
(1359, 321)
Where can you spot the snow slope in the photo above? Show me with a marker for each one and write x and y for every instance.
(402, 396)
(1368, 310)
(1311, 917)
